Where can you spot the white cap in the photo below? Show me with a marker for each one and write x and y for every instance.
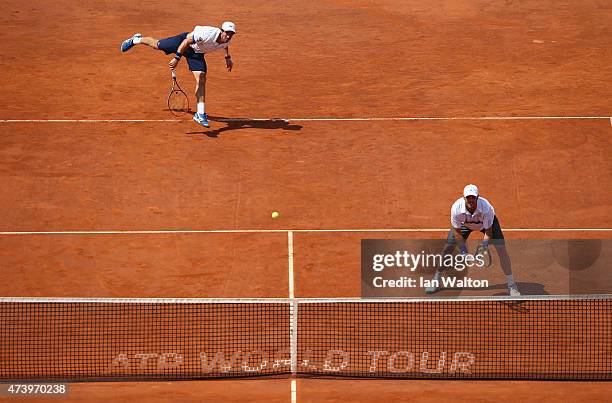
(470, 190)
(228, 26)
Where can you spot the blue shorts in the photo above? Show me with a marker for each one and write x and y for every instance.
(497, 236)
(195, 61)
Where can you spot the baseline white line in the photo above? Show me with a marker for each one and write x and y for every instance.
(268, 231)
(138, 232)
(87, 120)
(449, 118)
(293, 390)
(364, 119)
(558, 229)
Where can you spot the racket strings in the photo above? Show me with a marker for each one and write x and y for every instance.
(178, 102)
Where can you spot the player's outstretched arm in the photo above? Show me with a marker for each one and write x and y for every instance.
(228, 60)
(181, 49)
(460, 241)
(487, 236)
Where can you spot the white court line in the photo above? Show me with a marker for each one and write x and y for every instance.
(323, 119)
(282, 231)
(293, 318)
(86, 120)
(290, 257)
(450, 118)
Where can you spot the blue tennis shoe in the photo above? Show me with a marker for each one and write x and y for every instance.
(128, 43)
(201, 119)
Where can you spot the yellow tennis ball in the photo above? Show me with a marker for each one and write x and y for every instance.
(275, 214)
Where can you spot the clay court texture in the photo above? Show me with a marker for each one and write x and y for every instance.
(352, 119)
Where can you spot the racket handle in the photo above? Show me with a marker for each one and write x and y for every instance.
(173, 74)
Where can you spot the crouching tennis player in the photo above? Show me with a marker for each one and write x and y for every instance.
(192, 46)
(475, 213)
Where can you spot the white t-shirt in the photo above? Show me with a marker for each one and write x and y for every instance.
(205, 39)
(481, 219)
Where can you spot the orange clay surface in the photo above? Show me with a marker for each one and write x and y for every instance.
(294, 59)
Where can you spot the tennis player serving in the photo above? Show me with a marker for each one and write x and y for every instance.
(192, 46)
(474, 213)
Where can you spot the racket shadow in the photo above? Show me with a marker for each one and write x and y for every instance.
(246, 123)
(181, 111)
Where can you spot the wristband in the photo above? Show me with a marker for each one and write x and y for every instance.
(178, 55)
(485, 243)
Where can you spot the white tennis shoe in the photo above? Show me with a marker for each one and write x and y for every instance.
(434, 288)
(128, 43)
(201, 119)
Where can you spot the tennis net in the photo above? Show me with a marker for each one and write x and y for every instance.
(168, 339)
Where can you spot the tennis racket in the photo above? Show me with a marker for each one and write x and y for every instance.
(486, 255)
(178, 103)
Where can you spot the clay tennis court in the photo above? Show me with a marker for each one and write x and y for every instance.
(353, 119)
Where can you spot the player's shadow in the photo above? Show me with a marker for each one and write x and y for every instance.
(246, 123)
(524, 287)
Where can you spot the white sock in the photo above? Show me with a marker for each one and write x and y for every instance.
(200, 108)
(136, 40)
(510, 280)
